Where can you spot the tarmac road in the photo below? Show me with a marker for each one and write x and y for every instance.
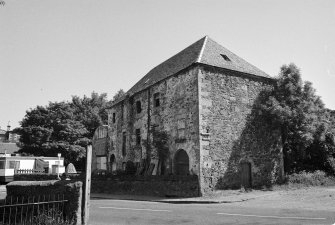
(109, 211)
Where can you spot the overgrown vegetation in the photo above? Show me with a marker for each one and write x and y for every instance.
(307, 127)
(316, 178)
(51, 217)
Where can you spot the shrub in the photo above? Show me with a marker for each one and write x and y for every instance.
(316, 178)
(72, 191)
(51, 217)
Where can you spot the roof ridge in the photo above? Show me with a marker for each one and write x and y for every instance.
(202, 49)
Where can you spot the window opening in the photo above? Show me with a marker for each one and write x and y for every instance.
(138, 136)
(156, 100)
(138, 107)
(225, 57)
(124, 140)
(122, 111)
(114, 118)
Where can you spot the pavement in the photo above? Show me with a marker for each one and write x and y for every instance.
(229, 196)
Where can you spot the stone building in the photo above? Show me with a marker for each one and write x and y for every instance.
(204, 98)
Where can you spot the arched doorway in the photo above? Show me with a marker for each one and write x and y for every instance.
(112, 163)
(181, 163)
(246, 174)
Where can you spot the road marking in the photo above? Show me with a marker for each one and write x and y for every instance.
(152, 210)
(273, 217)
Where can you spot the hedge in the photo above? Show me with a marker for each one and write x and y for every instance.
(72, 191)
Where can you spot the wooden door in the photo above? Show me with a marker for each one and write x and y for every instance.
(246, 174)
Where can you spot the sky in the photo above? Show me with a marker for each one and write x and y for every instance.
(51, 50)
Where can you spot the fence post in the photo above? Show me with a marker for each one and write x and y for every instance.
(87, 191)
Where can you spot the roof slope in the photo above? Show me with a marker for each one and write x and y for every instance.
(213, 55)
(205, 51)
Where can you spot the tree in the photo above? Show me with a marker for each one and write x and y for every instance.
(63, 127)
(118, 95)
(91, 111)
(161, 143)
(46, 131)
(321, 153)
(297, 110)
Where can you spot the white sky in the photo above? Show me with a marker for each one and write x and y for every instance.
(53, 49)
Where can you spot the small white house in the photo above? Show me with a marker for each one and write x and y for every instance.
(9, 165)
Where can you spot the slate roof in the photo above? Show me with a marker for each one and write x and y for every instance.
(205, 51)
(9, 148)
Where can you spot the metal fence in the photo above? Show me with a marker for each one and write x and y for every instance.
(33, 210)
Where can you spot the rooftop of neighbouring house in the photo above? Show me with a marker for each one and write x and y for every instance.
(8, 148)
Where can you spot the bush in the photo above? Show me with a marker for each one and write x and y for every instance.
(316, 178)
(72, 191)
(51, 217)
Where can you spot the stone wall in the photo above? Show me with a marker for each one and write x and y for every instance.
(232, 132)
(177, 114)
(164, 186)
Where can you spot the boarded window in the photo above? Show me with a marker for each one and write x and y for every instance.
(101, 163)
(124, 142)
(138, 136)
(138, 107)
(181, 127)
(156, 100)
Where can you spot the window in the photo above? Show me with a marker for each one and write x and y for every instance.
(124, 141)
(122, 111)
(156, 100)
(225, 57)
(114, 118)
(138, 136)
(138, 107)
(14, 164)
(181, 126)
(2, 164)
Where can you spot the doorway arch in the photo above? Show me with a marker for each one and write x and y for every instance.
(182, 162)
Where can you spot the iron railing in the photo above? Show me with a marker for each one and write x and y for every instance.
(33, 210)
